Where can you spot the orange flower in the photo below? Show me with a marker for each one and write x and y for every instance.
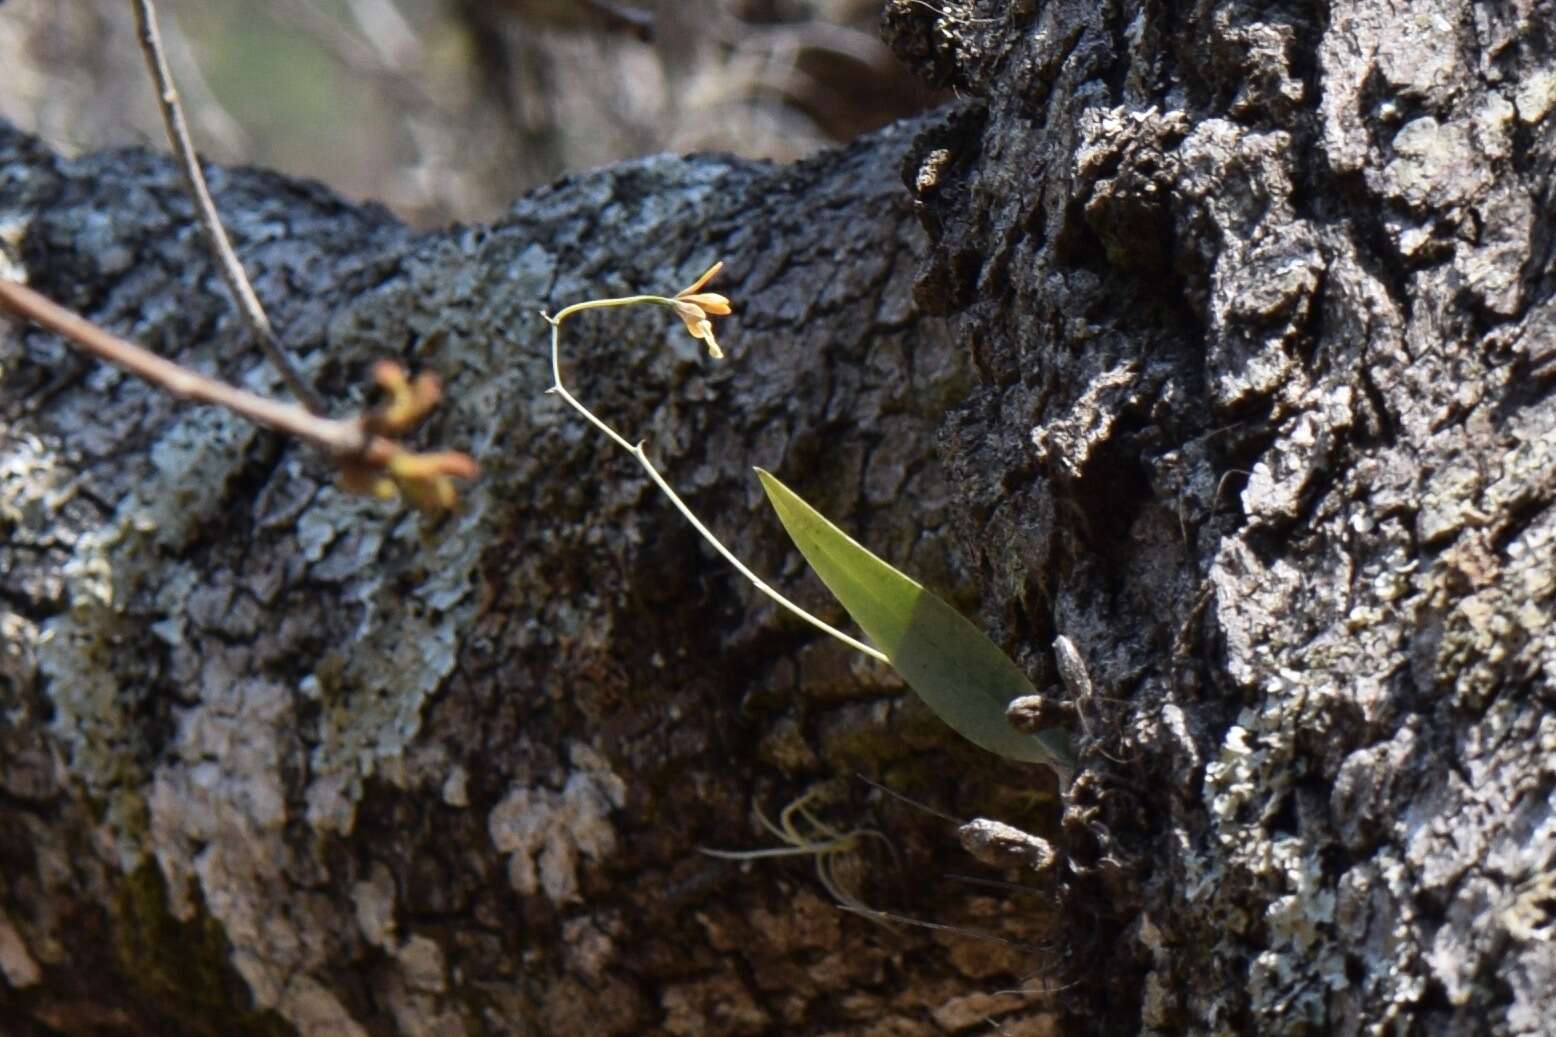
(694, 307)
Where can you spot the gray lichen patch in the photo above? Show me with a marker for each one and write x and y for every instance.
(192, 463)
(409, 590)
(1536, 95)
(1271, 831)
(1331, 640)
(1434, 165)
(95, 668)
(1264, 260)
(34, 483)
(1298, 966)
(549, 834)
(218, 819)
(421, 975)
(219, 809)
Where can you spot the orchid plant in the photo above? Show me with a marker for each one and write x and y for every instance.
(952, 665)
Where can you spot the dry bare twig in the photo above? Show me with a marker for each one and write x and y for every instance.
(369, 460)
(232, 270)
(337, 438)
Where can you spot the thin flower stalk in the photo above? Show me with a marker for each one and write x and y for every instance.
(681, 304)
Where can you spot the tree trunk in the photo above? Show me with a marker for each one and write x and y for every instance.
(1235, 326)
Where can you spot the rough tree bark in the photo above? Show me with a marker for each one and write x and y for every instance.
(1235, 323)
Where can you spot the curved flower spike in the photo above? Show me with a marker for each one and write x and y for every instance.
(694, 306)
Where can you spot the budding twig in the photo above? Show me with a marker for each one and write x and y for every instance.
(363, 449)
(368, 459)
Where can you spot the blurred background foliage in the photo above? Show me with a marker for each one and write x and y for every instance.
(449, 109)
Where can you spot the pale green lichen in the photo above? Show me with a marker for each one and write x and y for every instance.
(193, 460)
(83, 651)
(1293, 975)
(403, 649)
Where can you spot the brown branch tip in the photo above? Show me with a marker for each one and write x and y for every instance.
(425, 480)
(365, 449)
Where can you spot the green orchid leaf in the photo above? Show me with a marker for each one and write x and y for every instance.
(952, 665)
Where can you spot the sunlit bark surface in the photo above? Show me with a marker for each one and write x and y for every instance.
(1216, 339)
